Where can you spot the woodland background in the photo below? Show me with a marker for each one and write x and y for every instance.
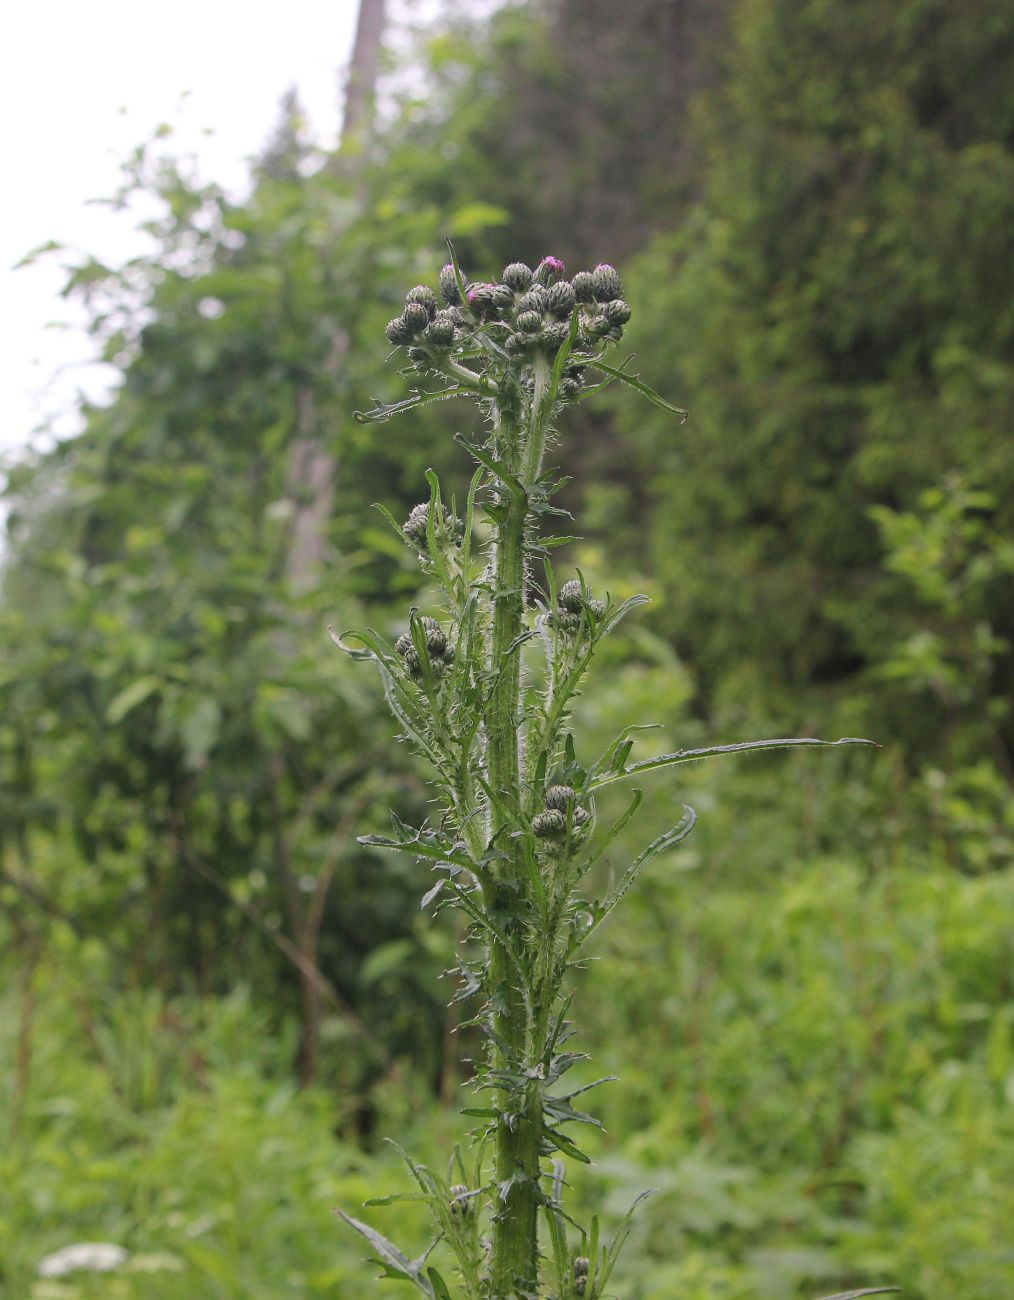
(215, 1003)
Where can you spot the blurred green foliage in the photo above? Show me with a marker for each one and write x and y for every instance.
(810, 1008)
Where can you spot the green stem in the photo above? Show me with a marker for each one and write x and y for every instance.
(518, 1138)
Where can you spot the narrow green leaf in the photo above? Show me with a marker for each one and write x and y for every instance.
(619, 1237)
(613, 831)
(553, 543)
(440, 1290)
(495, 467)
(466, 541)
(395, 526)
(458, 276)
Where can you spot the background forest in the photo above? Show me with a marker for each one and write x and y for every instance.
(214, 1002)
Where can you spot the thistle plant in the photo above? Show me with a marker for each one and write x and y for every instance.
(484, 689)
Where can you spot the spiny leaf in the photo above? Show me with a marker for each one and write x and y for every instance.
(391, 1259)
(639, 386)
(667, 840)
(854, 1295)
(438, 850)
(692, 755)
(563, 1143)
(382, 412)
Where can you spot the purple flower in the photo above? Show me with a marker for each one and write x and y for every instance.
(548, 271)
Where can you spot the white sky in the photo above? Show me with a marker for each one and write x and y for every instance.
(81, 83)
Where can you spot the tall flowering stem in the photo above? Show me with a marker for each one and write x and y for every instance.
(517, 833)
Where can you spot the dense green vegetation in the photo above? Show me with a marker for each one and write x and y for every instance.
(215, 1003)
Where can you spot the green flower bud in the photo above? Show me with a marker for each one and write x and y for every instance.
(425, 297)
(517, 343)
(416, 317)
(560, 797)
(530, 322)
(449, 290)
(607, 282)
(461, 1203)
(399, 331)
(441, 665)
(597, 607)
(616, 312)
(581, 1266)
(560, 299)
(569, 389)
(517, 276)
(440, 333)
(534, 300)
(549, 824)
(580, 818)
(436, 641)
(598, 326)
(584, 286)
(565, 620)
(418, 354)
(571, 597)
(404, 645)
(415, 525)
(557, 334)
(503, 298)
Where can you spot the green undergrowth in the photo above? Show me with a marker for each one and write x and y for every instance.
(172, 1129)
(817, 1076)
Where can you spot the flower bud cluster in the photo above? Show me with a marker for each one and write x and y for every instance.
(447, 525)
(535, 308)
(439, 651)
(527, 312)
(561, 804)
(423, 325)
(582, 1265)
(572, 601)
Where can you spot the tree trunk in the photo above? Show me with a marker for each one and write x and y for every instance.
(312, 467)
